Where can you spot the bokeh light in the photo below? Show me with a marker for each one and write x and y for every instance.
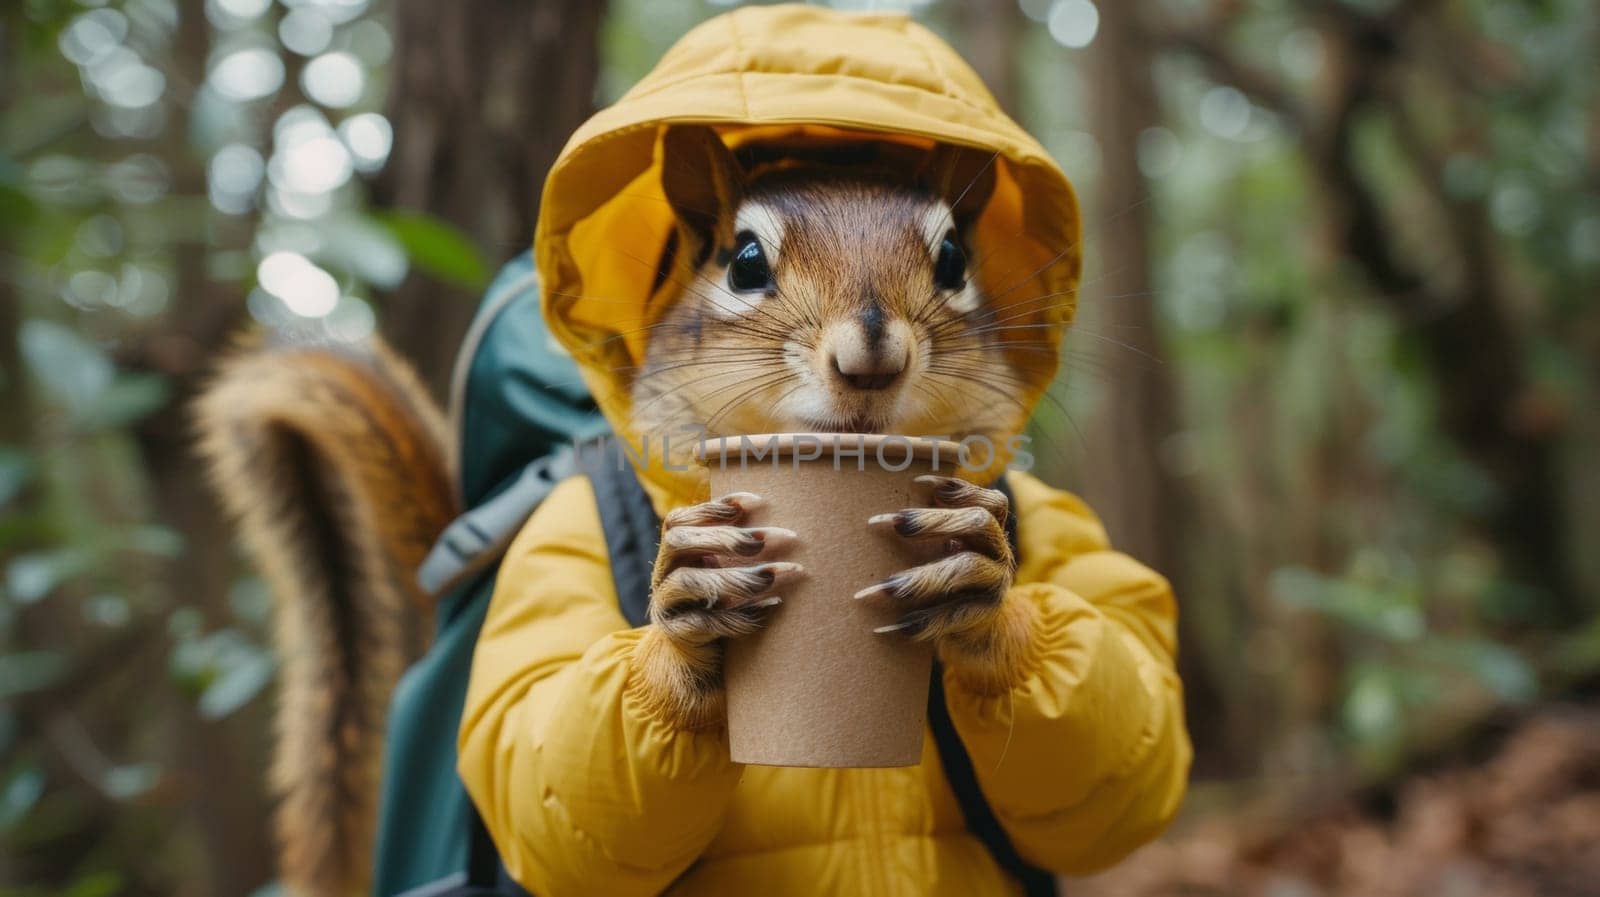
(1225, 112)
(298, 283)
(133, 85)
(233, 176)
(244, 10)
(93, 36)
(1159, 151)
(308, 159)
(369, 137)
(335, 80)
(247, 74)
(1073, 23)
(305, 31)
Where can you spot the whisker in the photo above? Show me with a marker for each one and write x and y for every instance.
(950, 210)
(760, 385)
(683, 386)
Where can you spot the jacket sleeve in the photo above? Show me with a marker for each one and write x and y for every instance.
(583, 791)
(1088, 758)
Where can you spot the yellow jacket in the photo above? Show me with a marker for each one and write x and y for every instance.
(583, 790)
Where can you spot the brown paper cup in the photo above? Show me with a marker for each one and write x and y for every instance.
(816, 686)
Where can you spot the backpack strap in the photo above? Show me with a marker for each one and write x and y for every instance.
(963, 779)
(484, 872)
(479, 538)
(633, 531)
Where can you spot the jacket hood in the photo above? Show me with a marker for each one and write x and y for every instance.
(787, 75)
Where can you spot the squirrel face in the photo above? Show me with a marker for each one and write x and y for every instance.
(816, 298)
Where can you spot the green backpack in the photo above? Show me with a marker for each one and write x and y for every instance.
(521, 412)
(515, 404)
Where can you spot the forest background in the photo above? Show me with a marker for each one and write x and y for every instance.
(1335, 373)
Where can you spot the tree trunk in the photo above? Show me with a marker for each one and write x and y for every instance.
(1466, 336)
(229, 823)
(484, 94)
(991, 29)
(1139, 500)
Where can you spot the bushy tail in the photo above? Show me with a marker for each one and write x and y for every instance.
(333, 461)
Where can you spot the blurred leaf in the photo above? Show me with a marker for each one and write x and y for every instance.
(1578, 654)
(1385, 613)
(131, 780)
(70, 369)
(184, 624)
(17, 208)
(15, 470)
(224, 670)
(237, 685)
(24, 672)
(1500, 669)
(250, 600)
(368, 248)
(153, 540)
(1373, 708)
(95, 884)
(107, 610)
(79, 375)
(1504, 601)
(21, 792)
(127, 399)
(31, 577)
(438, 248)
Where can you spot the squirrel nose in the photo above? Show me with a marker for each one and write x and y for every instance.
(869, 366)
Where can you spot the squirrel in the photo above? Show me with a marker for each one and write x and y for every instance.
(832, 300)
(812, 297)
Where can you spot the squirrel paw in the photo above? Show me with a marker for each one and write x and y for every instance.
(960, 601)
(713, 580)
(958, 594)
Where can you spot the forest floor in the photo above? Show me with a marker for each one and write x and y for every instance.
(1521, 821)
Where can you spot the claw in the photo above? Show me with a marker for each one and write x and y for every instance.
(882, 588)
(902, 522)
(780, 568)
(775, 535)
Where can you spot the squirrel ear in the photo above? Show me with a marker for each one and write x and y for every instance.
(962, 177)
(702, 179)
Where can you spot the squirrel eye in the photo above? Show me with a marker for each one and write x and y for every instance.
(748, 271)
(950, 269)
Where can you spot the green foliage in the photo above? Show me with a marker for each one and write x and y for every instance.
(31, 577)
(437, 247)
(22, 789)
(223, 669)
(24, 672)
(16, 469)
(1386, 613)
(1403, 673)
(78, 377)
